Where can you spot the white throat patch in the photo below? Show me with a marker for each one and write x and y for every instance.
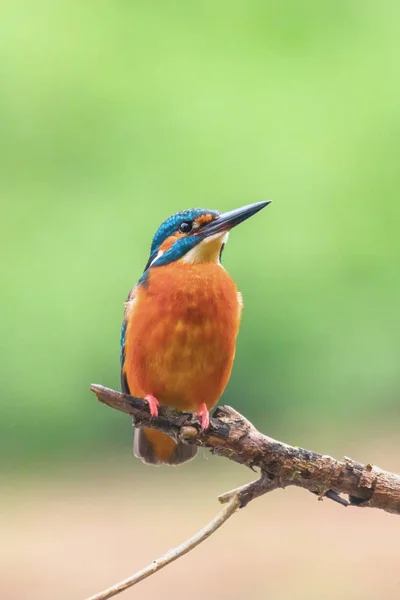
(208, 250)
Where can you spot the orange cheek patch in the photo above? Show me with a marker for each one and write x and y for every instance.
(170, 241)
(203, 219)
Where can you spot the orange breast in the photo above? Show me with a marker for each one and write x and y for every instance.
(181, 334)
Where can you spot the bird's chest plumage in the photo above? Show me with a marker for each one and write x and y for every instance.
(181, 333)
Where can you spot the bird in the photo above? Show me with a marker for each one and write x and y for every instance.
(181, 320)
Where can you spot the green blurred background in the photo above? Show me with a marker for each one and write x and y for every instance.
(114, 115)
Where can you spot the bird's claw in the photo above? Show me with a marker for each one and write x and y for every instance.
(153, 405)
(204, 416)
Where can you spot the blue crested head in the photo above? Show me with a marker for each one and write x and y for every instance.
(175, 236)
(192, 230)
(181, 222)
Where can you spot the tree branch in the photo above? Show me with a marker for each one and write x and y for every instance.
(281, 465)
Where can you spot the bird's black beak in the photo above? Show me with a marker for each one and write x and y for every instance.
(226, 221)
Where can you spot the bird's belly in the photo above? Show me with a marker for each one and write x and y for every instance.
(180, 347)
(187, 365)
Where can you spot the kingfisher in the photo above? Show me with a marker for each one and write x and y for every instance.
(180, 325)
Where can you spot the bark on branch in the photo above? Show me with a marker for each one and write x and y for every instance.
(231, 435)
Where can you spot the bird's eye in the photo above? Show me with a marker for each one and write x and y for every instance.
(186, 227)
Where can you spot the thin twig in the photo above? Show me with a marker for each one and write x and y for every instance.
(174, 553)
(250, 491)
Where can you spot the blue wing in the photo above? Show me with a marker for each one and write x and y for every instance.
(124, 382)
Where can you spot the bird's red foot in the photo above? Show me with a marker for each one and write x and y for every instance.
(204, 416)
(153, 405)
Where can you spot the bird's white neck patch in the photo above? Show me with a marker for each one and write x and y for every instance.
(208, 250)
(160, 253)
